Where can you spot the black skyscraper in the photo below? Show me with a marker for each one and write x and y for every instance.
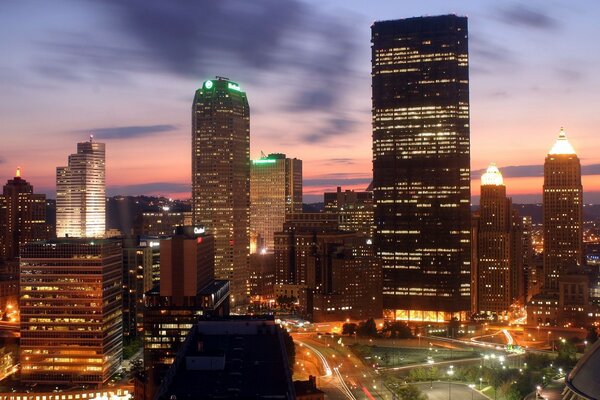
(421, 179)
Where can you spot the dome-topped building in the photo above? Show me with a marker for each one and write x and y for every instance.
(492, 176)
(562, 145)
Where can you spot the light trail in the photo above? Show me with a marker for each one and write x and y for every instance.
(326, 366)
(509, 338)
(343, 386)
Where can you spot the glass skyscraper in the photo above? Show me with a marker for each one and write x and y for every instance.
(421, 182)
(221, 177)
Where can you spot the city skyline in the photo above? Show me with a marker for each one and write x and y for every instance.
(522, 87)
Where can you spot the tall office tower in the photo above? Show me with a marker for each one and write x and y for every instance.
(354, 209)
(221, 178)
(23, 217)
(137, 280)
(163, 223)
(563, 212)
(81, 192)
(275, 191)
(71, 326)
(498, 239)
(421, 182)
(187, 289)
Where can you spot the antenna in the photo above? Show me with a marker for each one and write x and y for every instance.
(18, 173)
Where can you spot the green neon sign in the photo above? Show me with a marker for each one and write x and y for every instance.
(234, 86)
(264, 161)
(208, 85)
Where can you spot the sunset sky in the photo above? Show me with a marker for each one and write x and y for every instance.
(127, 71)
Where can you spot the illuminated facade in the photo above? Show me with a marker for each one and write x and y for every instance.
(499, 264)
(163, 223)
(221, 177)
(354, 209)
(81, 192)
(563, 212)
(22, 217)
(70, 302)
(421, 165)
(275, 190)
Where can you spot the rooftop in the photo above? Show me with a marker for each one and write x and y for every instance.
(562, 145)
(492, 176)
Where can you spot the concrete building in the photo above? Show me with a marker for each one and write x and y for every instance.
(164, 223)
(70, 304)
(137, 280)
(354, 209)
(81, 192)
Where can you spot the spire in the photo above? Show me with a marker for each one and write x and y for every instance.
(562, 145)
(18, 173)
(492, 176)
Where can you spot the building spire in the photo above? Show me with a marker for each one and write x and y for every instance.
(18, 173)
(492, 176)
(91, 137)
(562, 145)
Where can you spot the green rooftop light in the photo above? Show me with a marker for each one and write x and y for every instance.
(234, 86)
(264, 161)
(208, 85)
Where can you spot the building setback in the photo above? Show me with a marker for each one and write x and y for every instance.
(81, 192)
(421, 171)
(70, 304)
(275, 191)
(221, 177)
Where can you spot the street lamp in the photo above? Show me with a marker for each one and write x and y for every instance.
(480, 381)
(472, 390)
(450, 373)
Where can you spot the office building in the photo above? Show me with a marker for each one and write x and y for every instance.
(221, 178)
(499, 261)
(22, 217)
(354, 209)
(238, 357)
(275, 191)
(262, 276)
(81, 192)
(421, 171)
(164, 223)
(187, 290)
(70, 303)
(137, 280)
(563, 212)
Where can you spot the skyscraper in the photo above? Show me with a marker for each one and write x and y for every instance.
(421, 157)
(81, 192)
(71, 324)
(354, 209)
(221, 177)
(563, 212)
(499, 262)
(275, 191)
(22, 216)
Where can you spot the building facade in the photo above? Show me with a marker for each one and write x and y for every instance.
(70, 304)
(221, 177)
(563, 212)
(137, 280)
(499, 261)
(81, 192)
(354, 209)
(421, 165)
(164, 223)
(22, 217)
(275, 191)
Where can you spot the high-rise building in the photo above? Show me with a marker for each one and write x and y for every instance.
(163, 223)
(421, 171)
(221, 177)
(187, 290)
(137, 280)
(275, 191)
(81, 192)
(563, 212)
(354, 209)
(70, 303)
(499, 241)
(22, 217)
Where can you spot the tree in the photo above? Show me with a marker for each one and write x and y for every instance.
(453, 326)
(367, 328)
(410, 392)
(398, 329)
(592, 335)
(349, 329)
(566, 353)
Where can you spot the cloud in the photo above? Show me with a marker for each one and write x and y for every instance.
(336, 181)
(245, 40)
(151, 188)
(128, 132)
(336, 126)
(530, 171)
(340, 161)
(528, 17)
